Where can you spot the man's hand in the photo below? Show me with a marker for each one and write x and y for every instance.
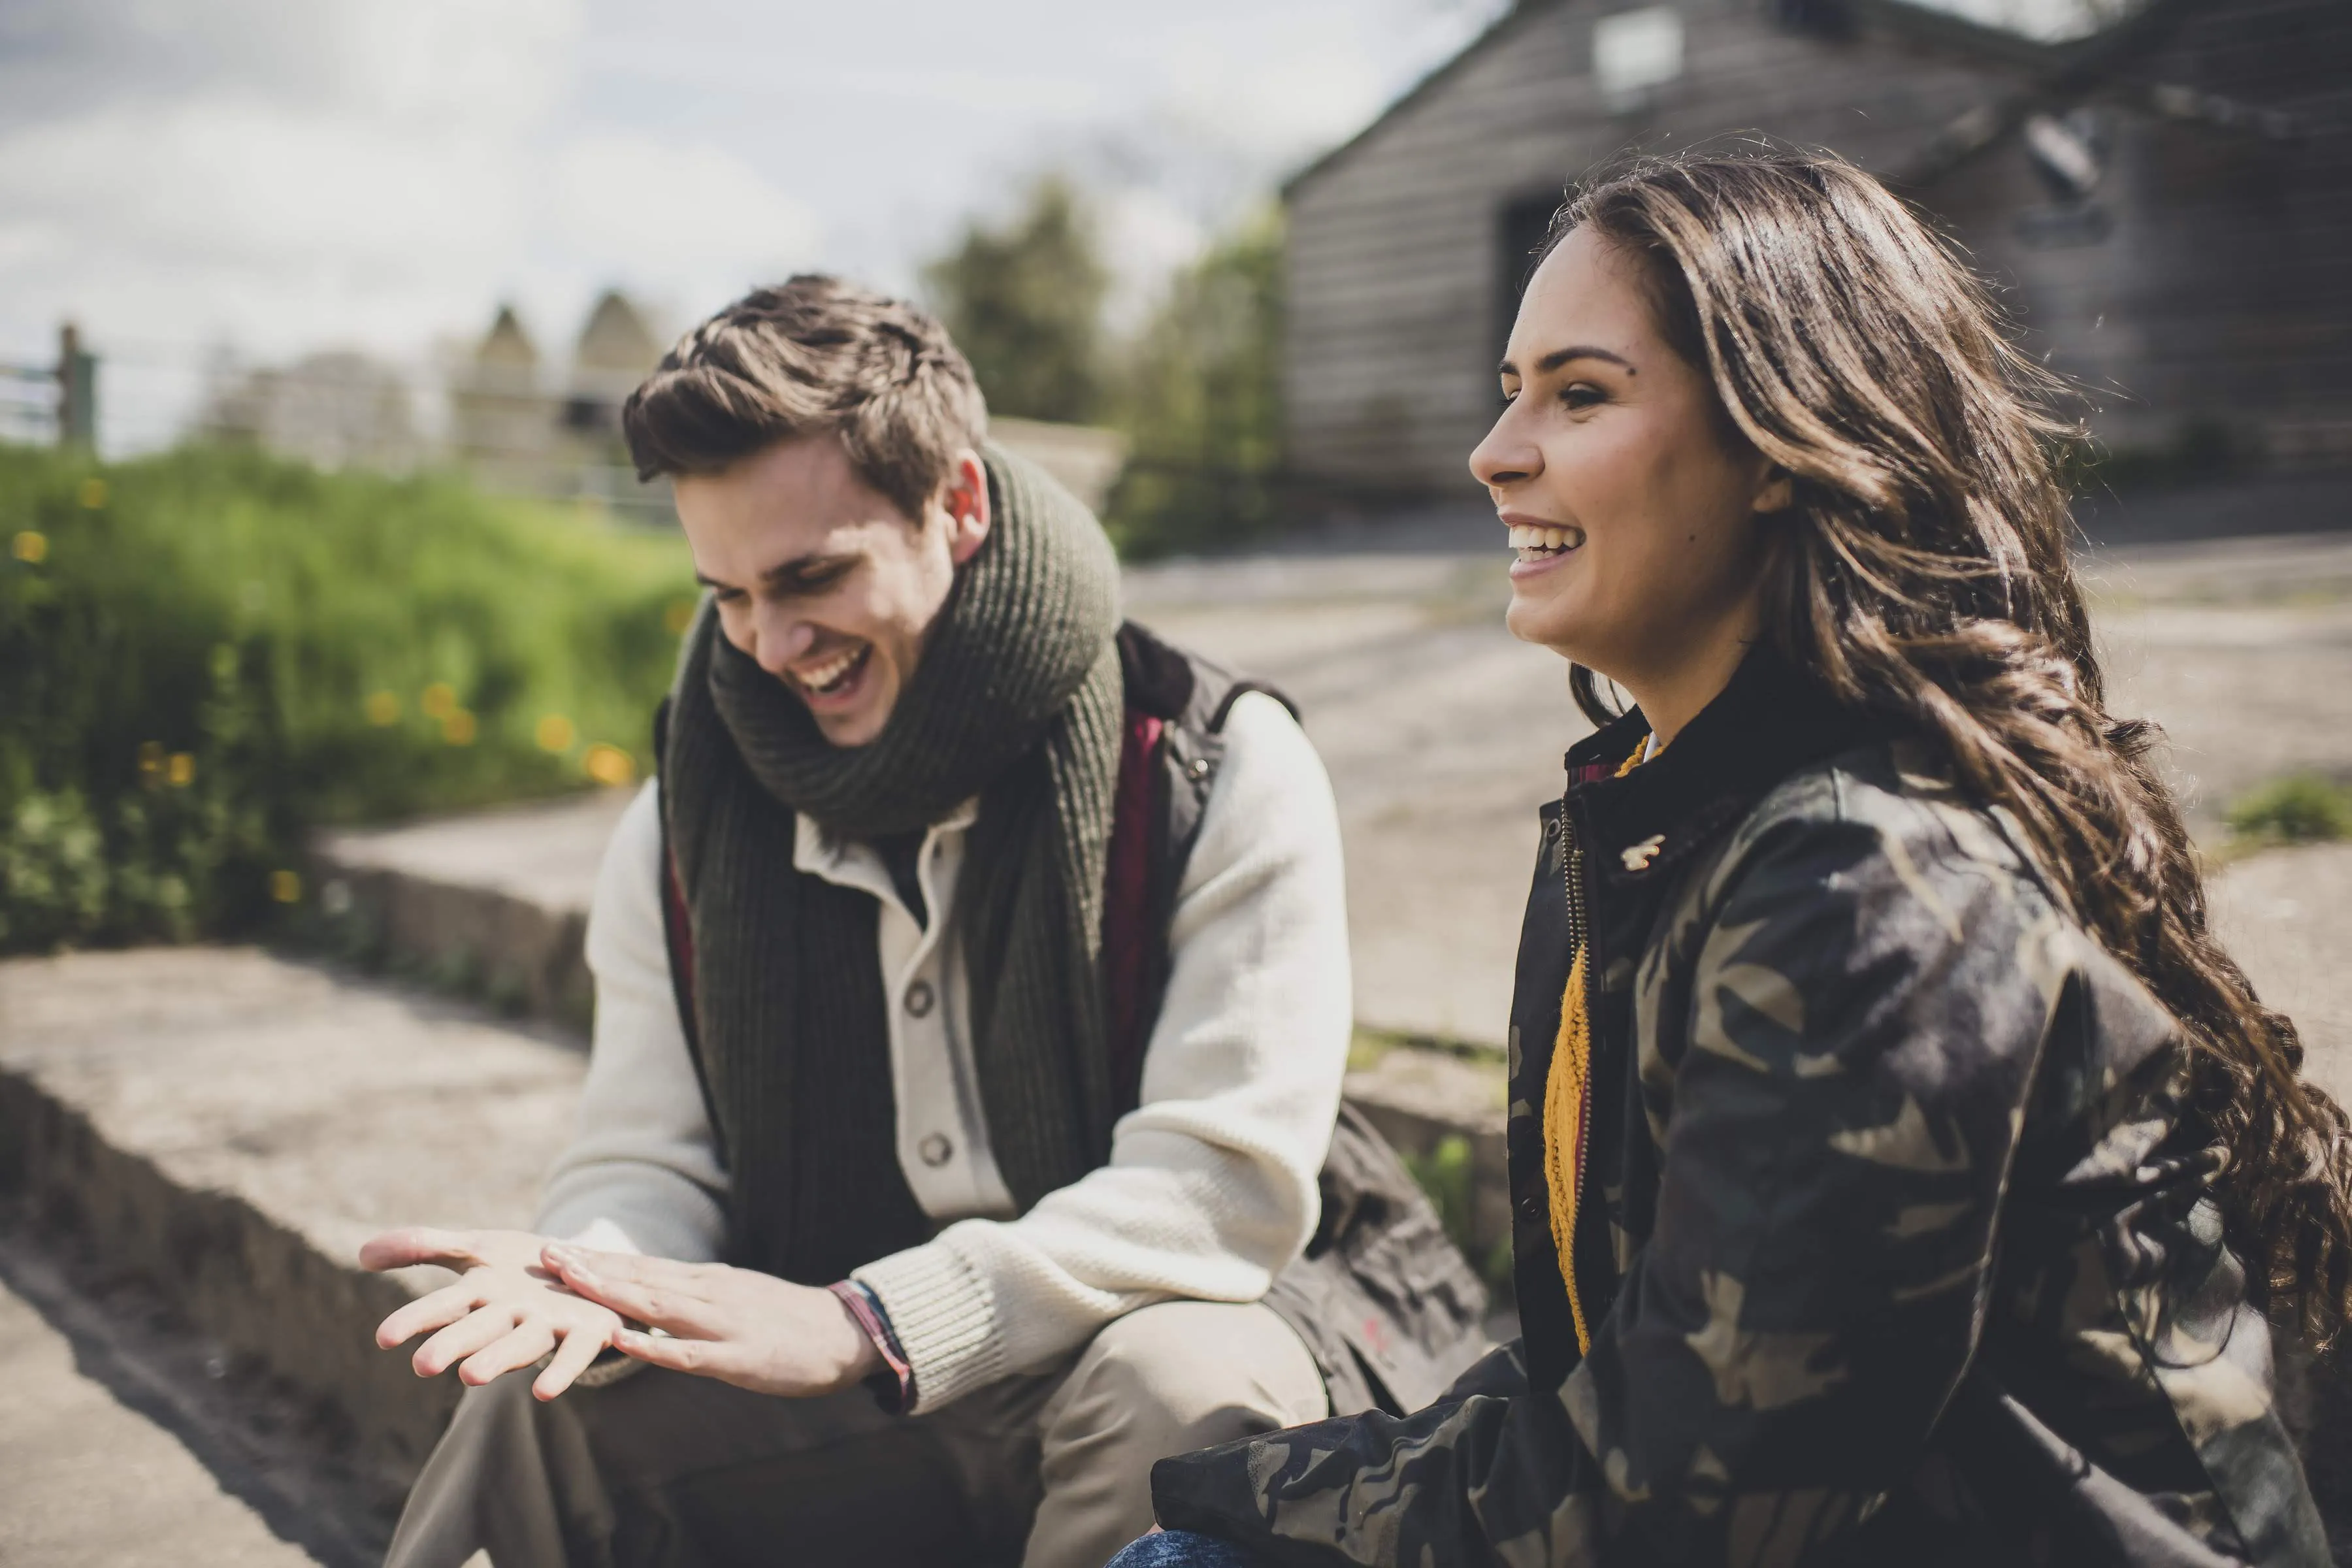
(505, 1312)
(749, 1329)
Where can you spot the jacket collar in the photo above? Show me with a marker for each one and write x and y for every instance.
(1769, 721)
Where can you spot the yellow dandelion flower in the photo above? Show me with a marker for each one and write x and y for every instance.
(151, 760)
(439, 701)
(93, 493)
(678, 617)
(555, 734)
(608, 764)
(286, 887)
(458, 727)
(181, 770)
(30, 546)
(383, 709)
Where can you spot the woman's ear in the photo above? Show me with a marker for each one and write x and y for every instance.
(1777, 492)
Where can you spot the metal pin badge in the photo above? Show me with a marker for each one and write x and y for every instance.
(1638, 856)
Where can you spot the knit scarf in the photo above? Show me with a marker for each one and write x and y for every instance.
(1016, 699)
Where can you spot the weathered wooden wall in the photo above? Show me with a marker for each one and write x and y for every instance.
(2223, 287)
(2222, 290)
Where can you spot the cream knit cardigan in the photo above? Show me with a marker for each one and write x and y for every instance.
(1211, 1186)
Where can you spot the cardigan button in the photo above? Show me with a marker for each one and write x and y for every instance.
(936, 1150)
(1531, 1208)
(920, 999)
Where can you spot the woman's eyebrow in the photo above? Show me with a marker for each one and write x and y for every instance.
(1559, 357)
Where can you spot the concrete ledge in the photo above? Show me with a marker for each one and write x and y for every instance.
(230, 1126)
(494, 904)
(1420, 1099)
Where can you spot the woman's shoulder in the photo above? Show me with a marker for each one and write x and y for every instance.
(1876, 862)
(1888, 803)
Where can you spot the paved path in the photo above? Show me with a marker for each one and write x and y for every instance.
(2288, 917)
(88, 1480)
(1443, 735)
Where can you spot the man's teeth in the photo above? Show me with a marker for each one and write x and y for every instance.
(1527, 536)
(827, 673)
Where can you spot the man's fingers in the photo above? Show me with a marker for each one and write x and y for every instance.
(662, 1350)
(415, 1244)
(671, 1278)
(439, 1310)
(462, 1339)
(658, 1304)
(571, 1358)
(518, 1347)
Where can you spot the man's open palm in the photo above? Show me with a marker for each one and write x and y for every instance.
(507, 1311)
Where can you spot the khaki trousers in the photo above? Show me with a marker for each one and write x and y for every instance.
(1047, 1470)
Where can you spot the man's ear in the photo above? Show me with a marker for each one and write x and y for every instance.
(965, 498)
(1777, 492)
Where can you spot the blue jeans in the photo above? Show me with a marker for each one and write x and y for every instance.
(1182, 1549)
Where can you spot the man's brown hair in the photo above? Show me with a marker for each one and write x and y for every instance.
(812, 356)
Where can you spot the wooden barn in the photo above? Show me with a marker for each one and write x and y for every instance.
(2164, 199)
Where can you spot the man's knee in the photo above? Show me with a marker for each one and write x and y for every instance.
(1186, 1375)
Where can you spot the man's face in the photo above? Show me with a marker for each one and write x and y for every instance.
(821, 580)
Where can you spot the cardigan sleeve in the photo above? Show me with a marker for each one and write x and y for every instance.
(641, 1172)
(1211, 1186)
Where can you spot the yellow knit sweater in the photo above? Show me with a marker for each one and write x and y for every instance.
(1565, 1119)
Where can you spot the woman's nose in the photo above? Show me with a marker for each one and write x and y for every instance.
(1505, 457)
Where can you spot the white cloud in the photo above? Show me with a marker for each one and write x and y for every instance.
(690, 224)
(288, 175)
(284, 175)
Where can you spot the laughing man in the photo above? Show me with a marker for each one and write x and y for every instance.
(972, 1001)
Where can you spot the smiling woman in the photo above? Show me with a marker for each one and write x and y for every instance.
(1901, 1170)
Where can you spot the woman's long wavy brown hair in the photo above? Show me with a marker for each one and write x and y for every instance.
(1923, 574)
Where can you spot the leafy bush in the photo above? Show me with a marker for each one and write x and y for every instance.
(2301, 809)
(1202, 405)
(205, 653)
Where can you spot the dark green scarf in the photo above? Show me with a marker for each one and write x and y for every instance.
(1017, 700)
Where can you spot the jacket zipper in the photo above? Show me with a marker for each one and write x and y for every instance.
(1573, 877)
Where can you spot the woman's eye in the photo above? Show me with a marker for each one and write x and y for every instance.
(1582, 394)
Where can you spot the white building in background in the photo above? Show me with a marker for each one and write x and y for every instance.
(337, 409)
(517, 424)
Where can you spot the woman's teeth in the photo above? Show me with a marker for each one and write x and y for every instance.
(1527, 537)
(822, 678)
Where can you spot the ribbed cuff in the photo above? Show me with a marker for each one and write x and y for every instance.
(945, 1318)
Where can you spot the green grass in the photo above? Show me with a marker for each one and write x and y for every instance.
(2303, 808)
(206, 653)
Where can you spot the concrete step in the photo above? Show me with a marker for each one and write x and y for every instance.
(229, 1126)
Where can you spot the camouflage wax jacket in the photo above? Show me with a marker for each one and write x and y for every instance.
(1896, 1243)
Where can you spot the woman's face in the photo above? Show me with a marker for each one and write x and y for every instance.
(1633, 515)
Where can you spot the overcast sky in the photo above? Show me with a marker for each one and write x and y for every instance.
(274, 177)
(268, 177)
